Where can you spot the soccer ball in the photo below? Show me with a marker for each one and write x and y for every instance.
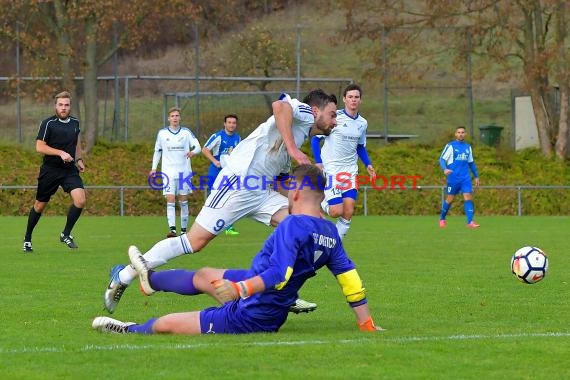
(529, 264)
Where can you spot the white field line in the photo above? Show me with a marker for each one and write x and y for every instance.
(190, 346)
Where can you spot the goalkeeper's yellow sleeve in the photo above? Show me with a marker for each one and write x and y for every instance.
(352, 288)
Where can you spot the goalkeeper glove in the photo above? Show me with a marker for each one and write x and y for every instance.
(227, 290)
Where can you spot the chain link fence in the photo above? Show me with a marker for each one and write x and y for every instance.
(419, 82)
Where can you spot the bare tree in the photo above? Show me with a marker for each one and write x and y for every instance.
(256, 52)
(527, 39)
(69, 38)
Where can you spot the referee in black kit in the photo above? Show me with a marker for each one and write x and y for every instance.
(58, 140)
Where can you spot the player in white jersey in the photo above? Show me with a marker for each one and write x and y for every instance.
(175, 146)
(339, 159)
(244, 187)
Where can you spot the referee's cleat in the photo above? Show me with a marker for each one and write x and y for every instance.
(114, 290)
(141, 266)
(301, 306)
(110, 325)
(27, 247)
(67, 240)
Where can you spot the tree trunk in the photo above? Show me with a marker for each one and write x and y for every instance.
(91, 122)
(64, 55)
(563, 75)
(561, 146)
(542, 121)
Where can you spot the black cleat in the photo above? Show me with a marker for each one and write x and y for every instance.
(27, 247)
(68, 240)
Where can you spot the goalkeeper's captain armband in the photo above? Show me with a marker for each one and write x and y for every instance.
(367, 325)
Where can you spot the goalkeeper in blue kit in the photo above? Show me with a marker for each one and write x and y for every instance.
(258, 299)
(457, 161)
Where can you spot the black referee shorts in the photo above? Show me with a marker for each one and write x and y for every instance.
(51, 178)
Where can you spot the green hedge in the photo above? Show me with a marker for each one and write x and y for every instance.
(119, 164)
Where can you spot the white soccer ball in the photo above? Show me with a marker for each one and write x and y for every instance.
(529, 264)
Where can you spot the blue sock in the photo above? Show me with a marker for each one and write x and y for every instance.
(174, 280)
(444, 209)
(469, 208)
(145, 328)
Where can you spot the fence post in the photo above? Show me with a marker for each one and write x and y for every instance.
(519, 200)
(122, 197)
(385, 85)
(365, 201)
(469, 83)
(18, 88)
(126, 109)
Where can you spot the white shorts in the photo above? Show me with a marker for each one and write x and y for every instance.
(174, 187)
(227, 204)
(339, 184)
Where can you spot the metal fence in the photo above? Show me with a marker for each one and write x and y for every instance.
(517, 208)
(434, 96)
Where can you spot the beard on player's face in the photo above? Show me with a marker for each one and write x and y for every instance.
(62, 114)
(323, 128)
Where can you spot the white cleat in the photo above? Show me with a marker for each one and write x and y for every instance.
(114, 290)
(110, 325)
(302, 306)
(141, 266)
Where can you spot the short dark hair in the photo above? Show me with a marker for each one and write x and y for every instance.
(319, 98)
(309, 176)
(352, 87)
(230, 116)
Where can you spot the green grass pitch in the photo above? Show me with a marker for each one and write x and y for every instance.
(450, 305)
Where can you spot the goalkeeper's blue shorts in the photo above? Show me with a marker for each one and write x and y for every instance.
(231, 318)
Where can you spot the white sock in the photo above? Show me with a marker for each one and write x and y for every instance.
(183, 214)
(127, 275)
(162, 252)
(171, 214)
(342, 226)
(167, 249)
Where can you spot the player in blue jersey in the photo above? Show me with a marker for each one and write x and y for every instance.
(258, 299)
(457, 161)
(218, 149)
(339, 158)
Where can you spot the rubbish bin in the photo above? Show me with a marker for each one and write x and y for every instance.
(490, 135)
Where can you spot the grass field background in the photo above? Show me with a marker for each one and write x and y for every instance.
(451, 308)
